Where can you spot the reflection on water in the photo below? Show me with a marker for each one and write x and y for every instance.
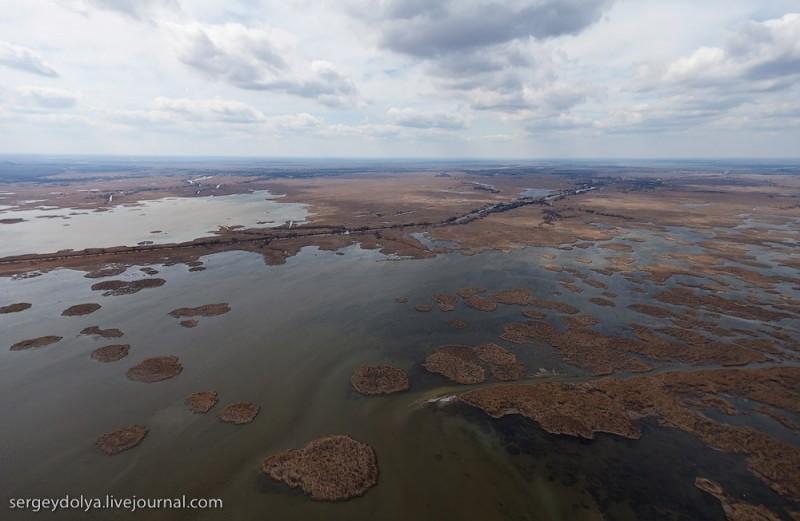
(293, 336)
(176, 219)
(535, 192)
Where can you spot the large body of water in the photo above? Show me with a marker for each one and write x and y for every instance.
(290, 342)
(175, 219)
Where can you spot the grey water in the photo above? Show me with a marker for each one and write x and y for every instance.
(290, 342)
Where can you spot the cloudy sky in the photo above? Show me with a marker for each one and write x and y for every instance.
(414, 78)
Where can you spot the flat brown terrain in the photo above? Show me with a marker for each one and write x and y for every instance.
(381, 210)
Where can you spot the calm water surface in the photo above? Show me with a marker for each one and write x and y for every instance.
(293, 336)
(176, 219)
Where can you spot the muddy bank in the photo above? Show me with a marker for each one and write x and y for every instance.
(379, 379)
(79, 310)
(480, 303)
(121, 440)
(126, 287)
(600, 301)
(561, 307)
(580, 321)
(502, 363)
(579, 346)
(457, 324)
(155, 369)
(518, 296)
(111, 353)
(456, 363)
(206, 310)
(603, 354)
(105, 333)
(32, 343)
(533, 314)
(106, 271)
(615, 405)
(332, 468)
(653, 311)
(467, 365)
(202, 401)
(15, 308)
(446, 302)
(239, 413)
(717, 304)
(735, 510)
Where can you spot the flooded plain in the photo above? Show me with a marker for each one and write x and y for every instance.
(290, 342)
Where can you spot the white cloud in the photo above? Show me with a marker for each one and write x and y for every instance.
(223, 116)
(487, 53)
(46, 98)
(426, 29)
(407, 117)
(756, 64)
(451, 77)
(704, 62)
(209, 116)
(215, 110)
(499, 138)
(302, 122)
(137, 9)
(234, 53)
(24, 59)
(757, 56)
(260, 59)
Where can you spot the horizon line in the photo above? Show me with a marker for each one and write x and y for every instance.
(397, 158)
